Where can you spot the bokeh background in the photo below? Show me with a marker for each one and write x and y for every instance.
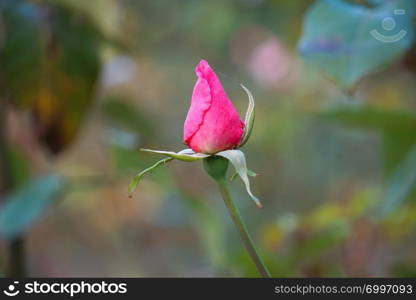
(85, 84)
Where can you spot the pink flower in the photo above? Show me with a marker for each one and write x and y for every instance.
(212, 123)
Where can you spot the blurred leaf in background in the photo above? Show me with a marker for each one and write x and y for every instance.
(41, 52)
(337, 37)
(26, 205)
(50, 60)
(20, 50)
(70, 74)
(103, 15)
(400, 184)
(122, 114)
(395, 127)
(20, 169)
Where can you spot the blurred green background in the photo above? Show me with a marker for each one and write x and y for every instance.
(85, 84)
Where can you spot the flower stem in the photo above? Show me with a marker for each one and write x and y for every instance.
(242, 230)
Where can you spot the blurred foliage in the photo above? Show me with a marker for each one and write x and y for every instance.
(19, 167)
(393, 126)
(27, 204)
(401, 183)
(41, 46)
(20, 63)
(122, 114)
(94, 81)
(336, 37)
(102, 14)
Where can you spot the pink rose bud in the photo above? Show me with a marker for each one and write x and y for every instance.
(212, 123)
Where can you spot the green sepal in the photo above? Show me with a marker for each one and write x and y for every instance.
(238, 160)
(249, 173)
(135, 181)
(249, 118)
(216, 167)
(184, 155)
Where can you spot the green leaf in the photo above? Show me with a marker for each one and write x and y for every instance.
(249, 118)
(184, 155)
(238, 160)
(341, 38)
(133, 184)
(27, 205)
(400, 184)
